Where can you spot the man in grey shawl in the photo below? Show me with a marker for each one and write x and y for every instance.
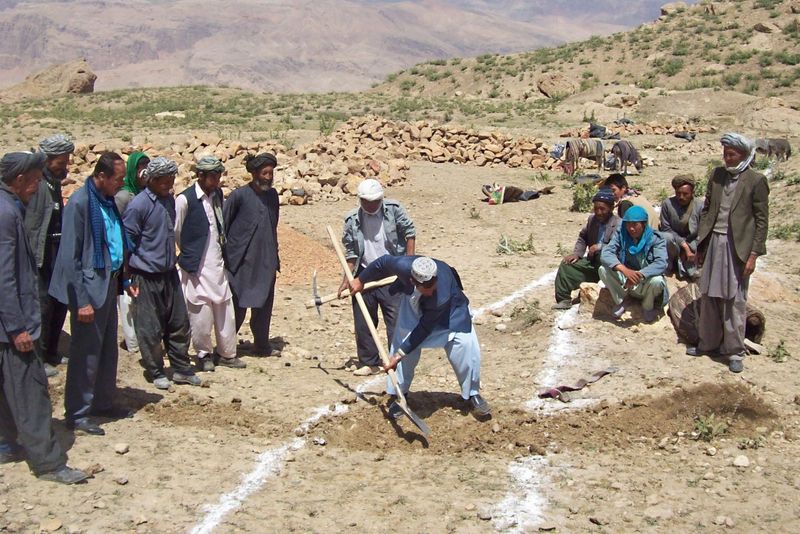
(732, 234)
(43, 226)
(251, 214)
(680, 216)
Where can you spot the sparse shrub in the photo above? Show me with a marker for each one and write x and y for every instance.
(761, 163)
(785, 232)
(474, 213)
(669, 67)
(708, 427)
(752, 443)
(529, 314)
(779, 354)
(511, 246)
(582, 198)
(788, 58)
(731, 79)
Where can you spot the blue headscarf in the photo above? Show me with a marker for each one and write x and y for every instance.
(635, 214)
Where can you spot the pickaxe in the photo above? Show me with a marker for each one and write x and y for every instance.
(401, 399)
(319, 301)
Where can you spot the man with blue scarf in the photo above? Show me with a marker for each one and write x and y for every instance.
(633, 263)
(86, 277)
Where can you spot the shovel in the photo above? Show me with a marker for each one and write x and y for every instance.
(401, 399)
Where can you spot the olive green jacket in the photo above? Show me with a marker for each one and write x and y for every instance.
(749, 215)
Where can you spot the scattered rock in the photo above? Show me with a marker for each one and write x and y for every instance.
(122, 480)
(553, 85)
(485, 514)
(121, 448)
(711, 451)
(741, 461)
(50, 525)
(672, 8)
(320, 441)
(502, 327)
(767, 27)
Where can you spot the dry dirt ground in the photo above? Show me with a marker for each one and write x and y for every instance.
(298, 444)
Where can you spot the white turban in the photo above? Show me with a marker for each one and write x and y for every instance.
(742, 145)
(370, 189)
(161, 166)
(423, 269)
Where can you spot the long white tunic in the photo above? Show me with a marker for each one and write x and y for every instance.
(210, 284)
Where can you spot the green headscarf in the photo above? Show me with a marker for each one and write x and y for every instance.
(130, 172)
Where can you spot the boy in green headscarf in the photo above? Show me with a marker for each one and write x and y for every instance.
(134, 180)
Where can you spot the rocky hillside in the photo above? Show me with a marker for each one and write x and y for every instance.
(298, 46)
(750, 46)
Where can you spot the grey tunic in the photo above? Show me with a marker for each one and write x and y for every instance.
(251, 250)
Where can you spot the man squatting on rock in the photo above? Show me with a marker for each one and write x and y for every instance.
(379, 226)
(26, 431)
(434, 312)
(732, 235)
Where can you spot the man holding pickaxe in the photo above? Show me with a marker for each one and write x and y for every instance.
(434, 312)
(377, 227)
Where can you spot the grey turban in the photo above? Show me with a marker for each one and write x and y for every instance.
(210, 164)
(160, 166)
(15, 163)
(737, 142)
(423, 269)
(57, 144)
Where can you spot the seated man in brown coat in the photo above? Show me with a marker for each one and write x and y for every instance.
(577, 268)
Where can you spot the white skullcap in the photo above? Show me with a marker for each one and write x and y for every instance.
(370, 189)
(423, 269)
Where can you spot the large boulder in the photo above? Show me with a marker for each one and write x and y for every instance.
(555, 84)
(74, 77)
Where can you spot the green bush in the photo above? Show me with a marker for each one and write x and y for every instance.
(582, 197)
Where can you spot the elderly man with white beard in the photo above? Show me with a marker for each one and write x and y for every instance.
(732, 235)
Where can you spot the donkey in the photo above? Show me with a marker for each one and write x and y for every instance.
(780, 148)
(583, 148)
(624, 152)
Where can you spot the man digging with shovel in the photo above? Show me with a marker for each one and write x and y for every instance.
(434, 312)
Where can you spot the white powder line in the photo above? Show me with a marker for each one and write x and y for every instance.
(268, 464)
(523, 504)
(519, 293)
(270, 461)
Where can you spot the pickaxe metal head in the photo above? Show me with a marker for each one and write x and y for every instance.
(315, 294)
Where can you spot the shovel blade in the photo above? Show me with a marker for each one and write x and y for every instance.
(420, 424)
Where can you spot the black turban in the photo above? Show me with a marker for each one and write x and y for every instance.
(254, 163)
(15, 163)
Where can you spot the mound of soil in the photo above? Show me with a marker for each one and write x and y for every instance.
(511, 432)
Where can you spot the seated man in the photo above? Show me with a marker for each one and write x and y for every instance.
(434, 312)
(577, 268)
(500, 194)
(633, 263)
(680, 215)
(625, 196)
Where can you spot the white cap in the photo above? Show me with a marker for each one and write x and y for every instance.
(423, 269)
(370, 189)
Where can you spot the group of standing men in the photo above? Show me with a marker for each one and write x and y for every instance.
(113, 246)
(714, 242)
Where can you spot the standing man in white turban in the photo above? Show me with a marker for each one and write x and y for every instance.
(43, 226)
(378, 226)
(732, 235)
(434, 313)
(200, 234)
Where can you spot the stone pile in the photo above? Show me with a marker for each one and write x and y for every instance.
(646, 128)
(331, 167)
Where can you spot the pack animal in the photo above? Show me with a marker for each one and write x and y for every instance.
(771, 147)
(583, 148)
(624, 153)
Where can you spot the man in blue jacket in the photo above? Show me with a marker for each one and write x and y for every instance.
(87, 279)
(434, 313)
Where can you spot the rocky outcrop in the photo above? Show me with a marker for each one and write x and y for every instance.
(75, 77)
(556, 85)
(673, 7)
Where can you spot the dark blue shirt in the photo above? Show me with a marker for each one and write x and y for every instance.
(149, 222)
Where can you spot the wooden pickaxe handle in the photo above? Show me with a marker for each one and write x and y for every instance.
(346, 293)
(401, 399)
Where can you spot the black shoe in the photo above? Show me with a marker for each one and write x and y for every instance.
(84, 426)
(64, 475)
(205, 365)
(12, 454)
(395, 411)
(115, 412)
(693, 351)
(736, 366)
(234, 363)
(479, 405)
(50, 370)
(562, 305)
